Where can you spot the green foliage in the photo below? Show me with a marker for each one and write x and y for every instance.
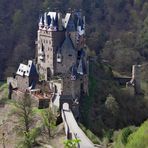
(3, 86)
(139, 138)
(106, 21)
(71, 143)
(108, 134)
(125, 133)
(29, 138)
(90, 135)
(23, 111)
(121, 53)
(143, 38)
(121, 137)
(111, 104)
(49, 120)
(3, 93)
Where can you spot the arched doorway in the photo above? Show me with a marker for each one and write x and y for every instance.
(48, 73)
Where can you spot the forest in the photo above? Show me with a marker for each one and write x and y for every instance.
(117, 30)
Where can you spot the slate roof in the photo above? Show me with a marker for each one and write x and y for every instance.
(67, 22)
(52, 14)
(66, 19)
(67, 44)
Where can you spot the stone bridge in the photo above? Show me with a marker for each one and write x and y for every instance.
(72, 130)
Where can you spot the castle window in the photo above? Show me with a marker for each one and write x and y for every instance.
(70, 55)
(46, 41)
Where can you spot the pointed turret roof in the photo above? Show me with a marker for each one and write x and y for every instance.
(81, 67)
(67, 44)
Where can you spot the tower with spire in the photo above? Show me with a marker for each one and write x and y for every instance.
(60, 51)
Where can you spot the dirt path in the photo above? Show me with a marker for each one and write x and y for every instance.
(7, 127)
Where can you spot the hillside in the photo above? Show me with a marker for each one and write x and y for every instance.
(118, 28)
(116, 39)
(110, 106)
(132, 137)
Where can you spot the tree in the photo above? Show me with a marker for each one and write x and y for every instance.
(72, 143)
(139, 138)
(111, 104)
(49, 120)
(125, 134)
(23, 110)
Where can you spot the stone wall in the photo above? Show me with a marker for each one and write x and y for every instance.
(39, 103)
(16, 95)
(136, 76)
(51, 40)
(22, 82)
(70, 87)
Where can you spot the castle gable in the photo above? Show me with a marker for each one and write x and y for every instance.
(26, 70)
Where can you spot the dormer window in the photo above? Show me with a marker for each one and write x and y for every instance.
(59, 58)
(73, 77)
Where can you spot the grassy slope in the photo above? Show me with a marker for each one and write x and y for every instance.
(3, 92)
(139, 138)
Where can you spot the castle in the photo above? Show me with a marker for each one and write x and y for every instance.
(60, 55)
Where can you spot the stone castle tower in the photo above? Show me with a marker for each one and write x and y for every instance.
(60, 51)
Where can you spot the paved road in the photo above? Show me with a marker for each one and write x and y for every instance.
(56, 101)
(75, 129)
